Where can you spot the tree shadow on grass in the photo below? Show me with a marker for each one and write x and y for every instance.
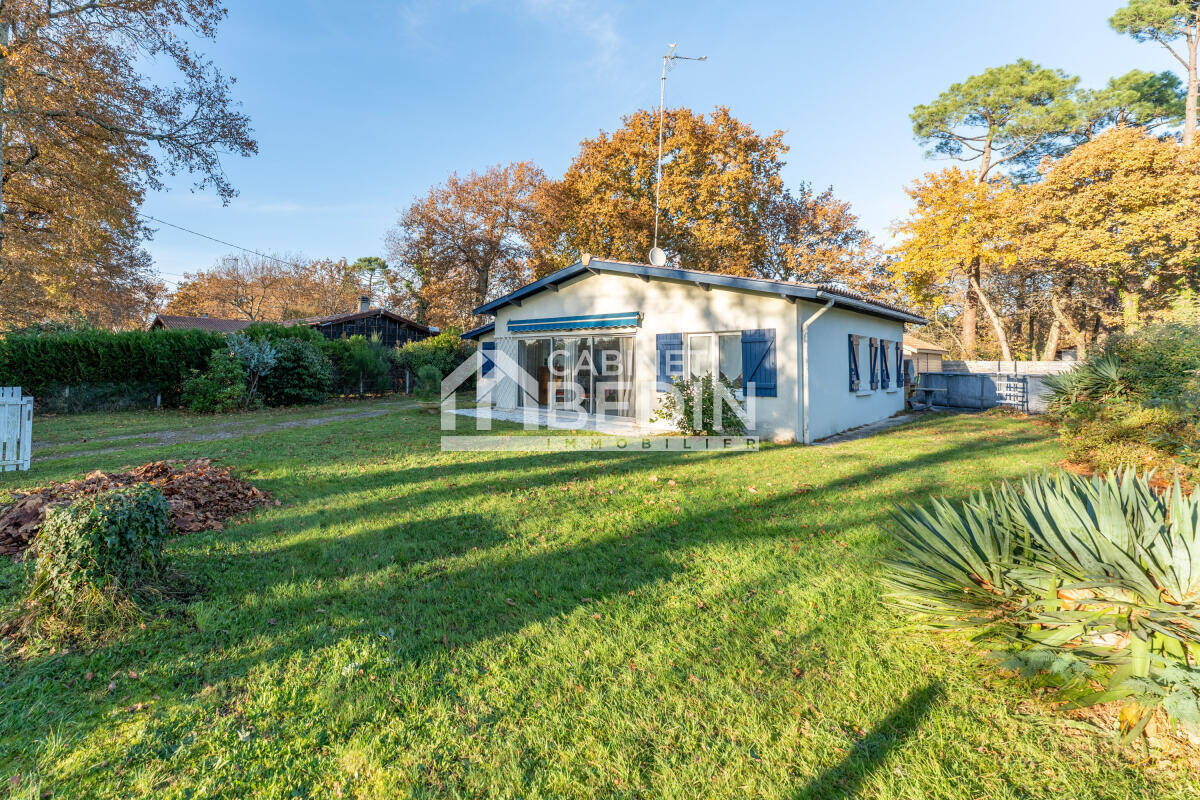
(385, 574)
(844, 779)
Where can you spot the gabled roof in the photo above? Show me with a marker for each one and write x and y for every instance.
(475, 333)
(786, 289)
(174, 322)
(350, 317)
(913, 343)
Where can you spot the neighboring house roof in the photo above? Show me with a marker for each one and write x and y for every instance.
(913, 344)
(817, 293)
(172, 322)
(475, 333)
(350, 317)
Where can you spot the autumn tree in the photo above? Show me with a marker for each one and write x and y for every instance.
(724, 207)
(1005, 119)
(1175, 25)
(957, 232)
(268, 288)
(464, 243)
(85, 132)
(1122, 210)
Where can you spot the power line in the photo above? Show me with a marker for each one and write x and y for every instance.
(218, 241)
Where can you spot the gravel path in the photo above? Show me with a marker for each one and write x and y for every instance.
(864, 431)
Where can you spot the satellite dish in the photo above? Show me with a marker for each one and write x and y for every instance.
(657, 257)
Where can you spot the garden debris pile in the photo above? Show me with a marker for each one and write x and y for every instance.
(200, 495)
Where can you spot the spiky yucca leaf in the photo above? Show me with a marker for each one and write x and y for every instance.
(1103, 569)
(953, 562)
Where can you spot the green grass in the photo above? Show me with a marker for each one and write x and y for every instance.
(413, 623)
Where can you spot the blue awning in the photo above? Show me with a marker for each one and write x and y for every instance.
(624, 319)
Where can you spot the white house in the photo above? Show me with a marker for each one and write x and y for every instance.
(819, 360)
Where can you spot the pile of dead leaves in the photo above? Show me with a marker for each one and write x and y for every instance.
(200, 495)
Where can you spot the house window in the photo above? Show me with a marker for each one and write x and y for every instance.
(729, 357)
(721, 349)
(700, 354)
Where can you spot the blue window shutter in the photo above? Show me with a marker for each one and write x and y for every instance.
(874, 363)
(854, 380)
(900, 381)
(670, 358)
(488, 364)
(885, 377)
(758, 361)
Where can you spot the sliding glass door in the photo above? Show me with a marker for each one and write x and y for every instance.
(592, 373)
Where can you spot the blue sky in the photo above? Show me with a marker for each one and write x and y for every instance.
(361, 105)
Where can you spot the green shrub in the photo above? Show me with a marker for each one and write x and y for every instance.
(429, 381)
(111, 541)
(124, 396)
(1092, 579)
(692, 408)
(360, 365)
(43, 362)
(257, 357)
(1159, 361)
(219, 389)
(1098, 380)
(1138, 404)
(302, 373)
(444, 351)
(275, 332)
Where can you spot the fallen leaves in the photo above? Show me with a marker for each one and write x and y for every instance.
(201, 497)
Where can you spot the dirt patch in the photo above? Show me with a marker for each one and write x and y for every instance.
(200, 495)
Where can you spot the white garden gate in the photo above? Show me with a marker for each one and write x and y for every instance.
(16, 428)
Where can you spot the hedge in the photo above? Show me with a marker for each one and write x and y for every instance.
(41, 363)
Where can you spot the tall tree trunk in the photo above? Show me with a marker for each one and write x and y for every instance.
(1001, 337)
(970, 314)
(1131, 302)
(1193, 86)
(1076, 333)
(5, 38)
(1050, 352)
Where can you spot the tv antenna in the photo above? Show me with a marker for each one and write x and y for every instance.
(657, 257)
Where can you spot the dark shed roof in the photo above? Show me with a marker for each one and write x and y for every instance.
(172, 322)
(356, 315)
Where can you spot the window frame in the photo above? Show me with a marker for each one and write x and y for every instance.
(714, 355)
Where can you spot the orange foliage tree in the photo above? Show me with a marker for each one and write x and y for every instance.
(958, 232)
(462, 244)
(84, 133)
(1122, 211)
(268, 289)
(724, 207)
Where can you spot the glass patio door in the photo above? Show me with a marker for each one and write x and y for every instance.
(592, 373)
(612, 364)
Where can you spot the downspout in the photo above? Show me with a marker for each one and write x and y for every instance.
(806, 436)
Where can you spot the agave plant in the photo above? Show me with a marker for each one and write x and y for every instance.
(1095, 379)
(1102, 572)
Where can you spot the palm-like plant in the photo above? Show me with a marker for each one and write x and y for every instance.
(1101, 570)
(1094, 379)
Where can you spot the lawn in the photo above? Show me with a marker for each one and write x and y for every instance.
(413, 623)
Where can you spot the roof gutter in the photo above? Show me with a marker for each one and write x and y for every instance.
(805, 434)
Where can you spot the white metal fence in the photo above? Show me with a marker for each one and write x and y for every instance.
(16, 428)
(1008, 367)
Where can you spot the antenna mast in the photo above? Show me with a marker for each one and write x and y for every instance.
(668, 62)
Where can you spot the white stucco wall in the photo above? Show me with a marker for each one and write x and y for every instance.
(833, 408)
(679, 307)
